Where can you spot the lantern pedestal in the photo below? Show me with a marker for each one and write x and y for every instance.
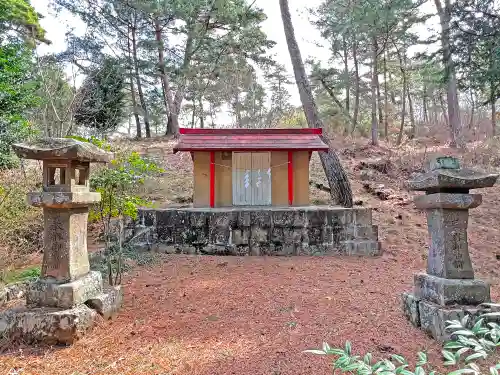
(68, 298)
(448, 290)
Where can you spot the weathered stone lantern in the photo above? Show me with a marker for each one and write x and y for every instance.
(60, 305)
(448, 290)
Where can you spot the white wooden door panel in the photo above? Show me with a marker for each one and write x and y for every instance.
(261, 183)
(242, 176)
(251, 178)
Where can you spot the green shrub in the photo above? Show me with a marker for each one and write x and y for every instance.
(22, 275)
(118, 185)
(21, 225)
(469, 345)
(479, 342)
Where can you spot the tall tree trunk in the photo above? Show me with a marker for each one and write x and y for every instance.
(472, 110)
(392, 94)
(237, 109)
(410, 101)
(193, 115)
(434, 97)
(425, 104)
(379, 98)
(443, 110)
(347, 83)
(139, 83)
(493, 89)
(132, 89)
(202, 114)
(357, 84)
(374, 85)
(386, 99)
(48, 128)
(412, 113)
(280, 107)
(179, 94)
(403, 111)
(493, 117)
(172, 121)
(212, 113)
(337, 177)
(450, 75)
(403, 95)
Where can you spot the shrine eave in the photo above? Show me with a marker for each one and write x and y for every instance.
(247, 140)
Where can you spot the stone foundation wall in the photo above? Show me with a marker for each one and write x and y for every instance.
(311, 230)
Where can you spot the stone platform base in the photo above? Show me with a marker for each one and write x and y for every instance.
(432, 318)
(54, 326)
(469, 292)
(308, 230)
(48, 325)
(48, 293)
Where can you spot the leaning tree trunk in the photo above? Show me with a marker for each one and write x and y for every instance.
(337, 177)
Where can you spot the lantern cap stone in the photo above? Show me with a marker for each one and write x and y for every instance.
(62, 149)
(445, 173)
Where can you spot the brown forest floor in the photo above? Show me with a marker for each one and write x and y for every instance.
(252, 315)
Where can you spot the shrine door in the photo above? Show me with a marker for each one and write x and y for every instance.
(251, 178)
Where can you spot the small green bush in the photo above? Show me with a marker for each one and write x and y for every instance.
(22, 275)
(21, 225)
(479, 342)
(118, 185)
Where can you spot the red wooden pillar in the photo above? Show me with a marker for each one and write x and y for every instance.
(290, 178)
(212, 179)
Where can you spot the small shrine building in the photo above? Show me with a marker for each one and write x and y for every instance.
(250, 167)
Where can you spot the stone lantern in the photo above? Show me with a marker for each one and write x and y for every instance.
(448, 290)
(58, 305)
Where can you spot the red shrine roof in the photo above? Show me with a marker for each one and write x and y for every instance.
(250, 140)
